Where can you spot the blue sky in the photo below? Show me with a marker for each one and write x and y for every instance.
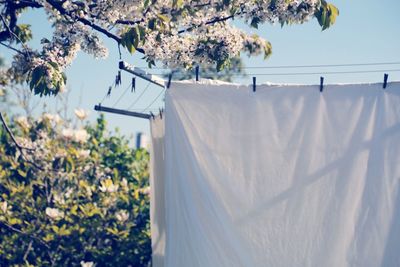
(366, 31)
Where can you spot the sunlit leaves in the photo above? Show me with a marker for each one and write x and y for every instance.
(23, 33)
(45, 80)
(326, 15)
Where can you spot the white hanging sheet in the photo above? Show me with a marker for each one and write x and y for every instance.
(157, 207)
(284, 176)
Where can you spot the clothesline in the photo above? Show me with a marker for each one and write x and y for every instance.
(302, 66)
(309, 73)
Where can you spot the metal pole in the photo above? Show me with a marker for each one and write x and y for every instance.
(122, 112)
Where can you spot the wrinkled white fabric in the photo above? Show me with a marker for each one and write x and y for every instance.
(285, 176)
(157, 207)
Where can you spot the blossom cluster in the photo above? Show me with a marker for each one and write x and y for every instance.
(175, 33)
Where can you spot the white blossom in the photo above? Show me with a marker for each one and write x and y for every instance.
(122, 215)
(108, 186)
(145, 191)
(83, 153)
(54, 213)
(81, 136)
(81, 113)
(23, 122)
(87, 264)
(67, 133)
(58, 199)
(4, 207)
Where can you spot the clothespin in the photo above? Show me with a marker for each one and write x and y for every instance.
(160, 113)
(118, 79)
(152, 115)
(109, 91)
(385, 79)
(321, 84)
(169, 80)
(197, 73)
(254, 84)
(133, 89)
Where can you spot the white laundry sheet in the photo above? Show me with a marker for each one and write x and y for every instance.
(284, 176)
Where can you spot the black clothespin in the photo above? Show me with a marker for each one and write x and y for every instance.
(321, 84)
(169, 80)
(133, 89)
(118, 79)
(160, 113)
(197, 73)
(254, 84)
(152, 115)
(109, 91)
(385, 79)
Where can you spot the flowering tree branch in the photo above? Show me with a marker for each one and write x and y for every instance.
(175, 33)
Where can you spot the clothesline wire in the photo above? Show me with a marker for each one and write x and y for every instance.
(309, 73)
(122, 95)
(139, 97)
(155, 99)
(304, 66)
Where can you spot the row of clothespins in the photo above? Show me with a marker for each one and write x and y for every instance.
(385, 80)
(321, 86)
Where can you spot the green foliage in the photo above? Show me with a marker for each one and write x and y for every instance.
(72, 196)
(326, 15)
(23, 32)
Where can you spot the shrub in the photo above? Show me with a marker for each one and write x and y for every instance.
(71, 197)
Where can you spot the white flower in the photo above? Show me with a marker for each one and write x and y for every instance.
(108, 186)
(56, 118)
(83, 153)
(68, 192)
(87, 264)
(4, 206)
(59, 199)
(54, 213)
(81, 113)
(67, 133)
(48, 116)
(122, 215)
(145, 190)
(23, 122)
(81, 136)
(124, 183)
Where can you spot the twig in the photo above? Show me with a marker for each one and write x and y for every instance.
(12, 135)
(12, 48)
(28, 250)
(20, 148)
(27, 234)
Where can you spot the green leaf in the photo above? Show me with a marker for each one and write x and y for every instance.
(22, 173)
(254, 22)
(177, 3)
(163, 17)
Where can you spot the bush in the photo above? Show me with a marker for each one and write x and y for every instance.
(71, 197)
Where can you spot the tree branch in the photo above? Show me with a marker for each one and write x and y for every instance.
(20, 148)
(27, 234)
(57, 6)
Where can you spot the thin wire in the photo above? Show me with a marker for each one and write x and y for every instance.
(323, 65)
(104, 98)
(141, 94)
(313, 73)
(155, 99)
(305, 66)
(122, 95)
(322, 73)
